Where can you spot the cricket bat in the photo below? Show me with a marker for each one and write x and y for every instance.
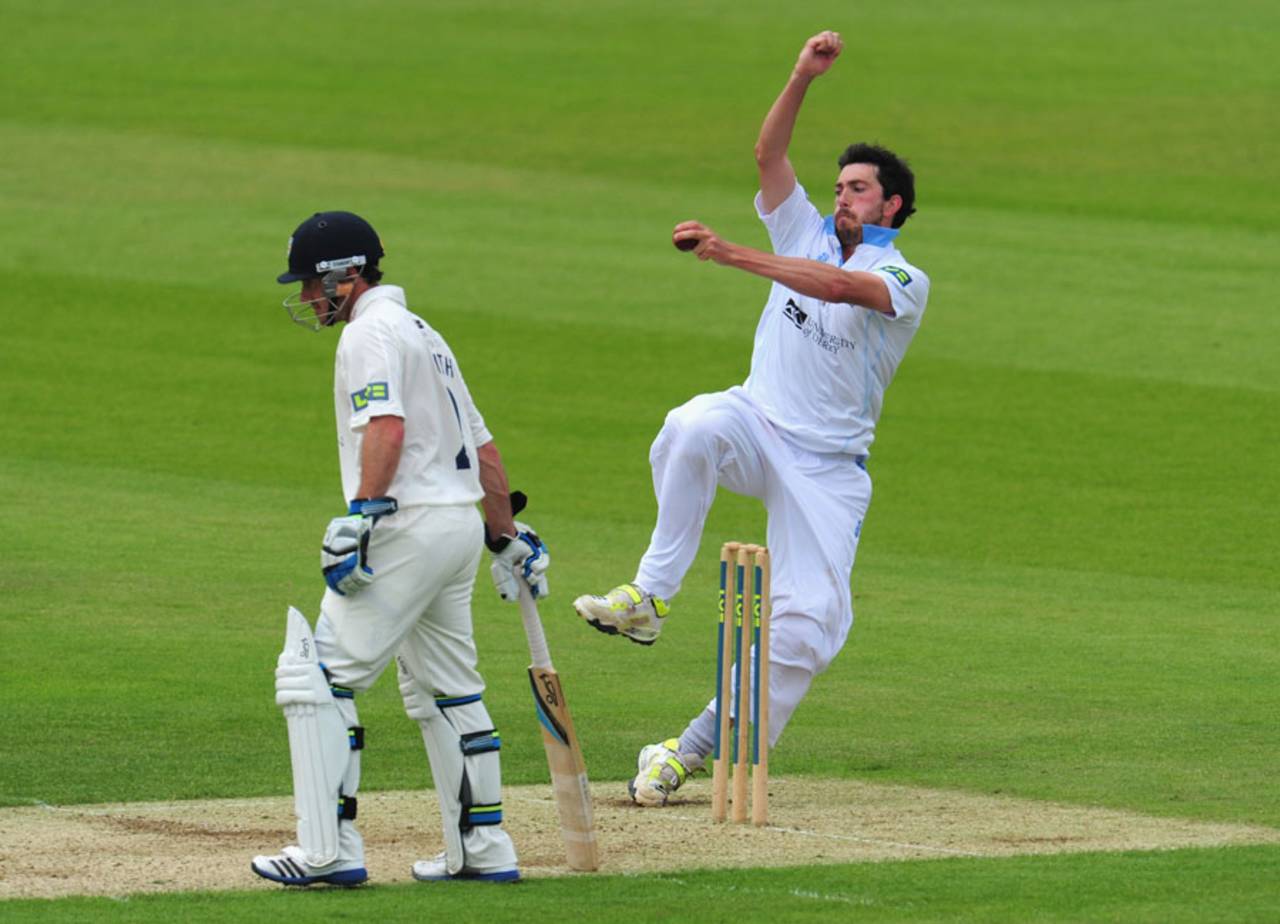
(564, 756)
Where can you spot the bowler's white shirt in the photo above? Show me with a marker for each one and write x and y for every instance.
(819, 369)
(390, 362)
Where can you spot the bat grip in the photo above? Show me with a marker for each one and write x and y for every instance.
(538, 651)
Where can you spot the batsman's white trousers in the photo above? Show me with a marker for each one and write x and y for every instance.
(424, 563)
(815, 504)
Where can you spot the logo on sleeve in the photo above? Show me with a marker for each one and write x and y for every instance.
(898, 273)
(374, 391)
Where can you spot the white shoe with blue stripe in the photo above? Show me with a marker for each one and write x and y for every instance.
(289, 867)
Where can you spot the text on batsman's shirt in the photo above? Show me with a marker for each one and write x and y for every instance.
(819, 369)
(390, 362)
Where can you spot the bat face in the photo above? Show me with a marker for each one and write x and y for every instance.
(564, 756)
(568, 770)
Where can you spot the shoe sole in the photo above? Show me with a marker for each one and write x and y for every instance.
(347, 878)
(511, 875)
(611, 630)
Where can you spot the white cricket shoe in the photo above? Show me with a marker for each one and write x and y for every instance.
(290, 867)
(661, 771)
(437, 870)
(625, 610)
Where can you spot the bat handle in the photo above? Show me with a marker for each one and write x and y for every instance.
(538, 650)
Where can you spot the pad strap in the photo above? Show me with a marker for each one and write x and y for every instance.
(475, 815)
(473, 744)
(480, 742)
(338, 691)
(451, 702)
(347, 808)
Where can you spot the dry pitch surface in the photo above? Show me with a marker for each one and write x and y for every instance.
(118, 849)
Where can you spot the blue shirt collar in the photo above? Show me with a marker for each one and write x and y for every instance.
(875, 235)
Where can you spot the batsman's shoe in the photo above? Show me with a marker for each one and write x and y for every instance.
(290, 867)
(437, 870)
(625, 610)
(662, 769)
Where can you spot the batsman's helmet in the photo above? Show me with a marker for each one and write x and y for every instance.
(330, 241)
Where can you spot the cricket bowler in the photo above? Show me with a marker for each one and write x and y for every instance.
(842, 310)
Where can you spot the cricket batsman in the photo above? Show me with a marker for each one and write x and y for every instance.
(400, 566)
(842, 310)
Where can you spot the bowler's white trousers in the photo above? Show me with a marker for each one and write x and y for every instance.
(815, 503)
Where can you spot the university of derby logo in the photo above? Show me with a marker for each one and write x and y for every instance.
(795, 314)
(812, 330)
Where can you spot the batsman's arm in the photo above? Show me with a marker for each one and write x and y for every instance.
(808, 277)
(497, 492)
(777, 176)
(520, 557)
(380, 455)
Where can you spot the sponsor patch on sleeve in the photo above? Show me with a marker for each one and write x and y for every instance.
(898, 273)
(374, 391)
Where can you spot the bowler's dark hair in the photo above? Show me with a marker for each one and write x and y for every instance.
(892, 171)
(371, 273)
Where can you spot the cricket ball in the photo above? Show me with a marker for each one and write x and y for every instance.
(687, 243)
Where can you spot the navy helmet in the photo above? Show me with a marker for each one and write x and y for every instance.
(329, 241)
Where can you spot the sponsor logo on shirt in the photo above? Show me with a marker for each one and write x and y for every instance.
(898, 273)
(795, 314)
(812, 330)
(374, 391)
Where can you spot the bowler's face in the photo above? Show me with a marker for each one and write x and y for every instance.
(859, 198)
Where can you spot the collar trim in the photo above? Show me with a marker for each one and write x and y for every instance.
(875, 235)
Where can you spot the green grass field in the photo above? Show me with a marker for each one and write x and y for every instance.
(1068, 584)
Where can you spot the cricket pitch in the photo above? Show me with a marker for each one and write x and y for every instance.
(119, 849)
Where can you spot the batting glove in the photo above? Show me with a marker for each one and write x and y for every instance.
(521, 557)
(344, 555)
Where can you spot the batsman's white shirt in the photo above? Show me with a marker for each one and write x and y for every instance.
(390, 362)
(424, 558)
(819, 369)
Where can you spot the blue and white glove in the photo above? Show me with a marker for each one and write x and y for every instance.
(521, 557)
(344, 555)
